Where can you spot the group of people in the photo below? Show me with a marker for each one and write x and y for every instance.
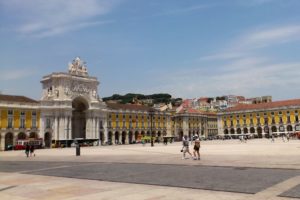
(29, 150)
(185, 147)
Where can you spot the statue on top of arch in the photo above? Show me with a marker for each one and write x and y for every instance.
(78, 67)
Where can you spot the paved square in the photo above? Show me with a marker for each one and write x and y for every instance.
(258, 169)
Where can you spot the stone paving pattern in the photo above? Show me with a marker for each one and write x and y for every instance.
(258, 169)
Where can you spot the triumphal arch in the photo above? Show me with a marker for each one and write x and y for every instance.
(71, 107)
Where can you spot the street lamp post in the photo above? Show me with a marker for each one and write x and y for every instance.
(151, 112)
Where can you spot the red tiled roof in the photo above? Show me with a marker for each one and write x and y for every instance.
(13, 98)
(118, 106)
(194, 111)
(261, 106)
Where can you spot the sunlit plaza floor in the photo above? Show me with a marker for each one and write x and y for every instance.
(230, 169)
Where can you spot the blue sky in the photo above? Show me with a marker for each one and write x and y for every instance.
(188, 48)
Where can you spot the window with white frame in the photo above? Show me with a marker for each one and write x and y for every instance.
(48, 123)
(33, 119)
(22, 119)
(10, 118)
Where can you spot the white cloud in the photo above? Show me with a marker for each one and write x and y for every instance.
(248, 43)
(251, 76)
(182, 10)
(15, 74)
(51, 17)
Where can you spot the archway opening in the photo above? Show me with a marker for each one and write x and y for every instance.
(130, 137)
(9, 141)
(47, 140)
(289, 128)
(245, 130)
(267, 131)
(79, 106)
(274, 129)
(238, 131)
(33, 135)
(109, 139)
(123, 137)
(21, 136)
(117, 139)
(101, 137)
(259, 132)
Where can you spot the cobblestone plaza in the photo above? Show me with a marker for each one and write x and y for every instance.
(258, 169)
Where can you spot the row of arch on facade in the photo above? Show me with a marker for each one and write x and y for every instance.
(10, 138)
(260, 130)
(123, 137)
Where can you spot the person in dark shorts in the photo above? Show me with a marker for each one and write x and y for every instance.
(197, 149)
(27, 149)
(32, 151)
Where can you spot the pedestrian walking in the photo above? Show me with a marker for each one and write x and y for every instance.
(27, 149)
(196, 149)
(32, 151)
(282, 137)
(272, 138)
(185, 148)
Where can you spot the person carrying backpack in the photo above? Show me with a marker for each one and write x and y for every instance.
(185, 147)
(27, 149)
(197, 149)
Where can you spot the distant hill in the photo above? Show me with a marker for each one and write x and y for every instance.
(143, 99)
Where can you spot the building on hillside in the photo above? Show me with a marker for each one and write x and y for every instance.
(162, 106)
(19, 119)
(260, 120)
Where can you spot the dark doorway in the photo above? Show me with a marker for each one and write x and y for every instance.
(79, 106)
(47, 140)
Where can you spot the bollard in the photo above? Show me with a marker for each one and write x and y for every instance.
(78, 150)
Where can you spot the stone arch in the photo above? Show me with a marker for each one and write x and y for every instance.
(33, 135)
(130, 137)
(124, 137)
(180, 135)
(143, 133)
(226, 131)
(9, 140)
(267, 131)
(117, 138)
(238, 131)
(274, 129)
(148, 133)
(252, 130)
(289, 128)
(48, 139)
(101, 137)
(136, 135)
(158, 134)
(21, 136)
(259, 132)
(232, 131)
(164, 133)
(80, 106)
(154, 134)
(109, 137)
(245, 130)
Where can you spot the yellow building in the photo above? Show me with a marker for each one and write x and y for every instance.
(19, 119)
(188, 121)
(127, 123)
(260, 120)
